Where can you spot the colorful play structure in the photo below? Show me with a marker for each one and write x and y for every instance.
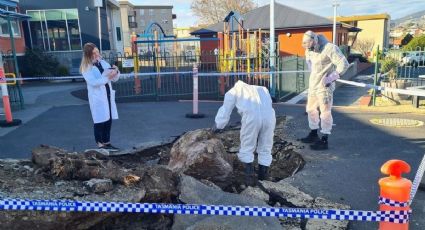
(240, 49)
(236, 50)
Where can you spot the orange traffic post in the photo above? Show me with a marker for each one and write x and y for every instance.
(395, 191)
(6, 102)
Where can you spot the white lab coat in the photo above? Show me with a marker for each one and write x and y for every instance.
(254, 104)
(98, 100)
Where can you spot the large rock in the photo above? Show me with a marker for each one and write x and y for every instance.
(160, 183)
(287, 194)
(199, 154)
(316, 224)
(43, 154)
(193, 191)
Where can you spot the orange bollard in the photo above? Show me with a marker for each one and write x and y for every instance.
(394, 188)
(6, 102)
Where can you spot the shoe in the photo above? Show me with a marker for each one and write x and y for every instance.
(263, 172)
(111, 148)
(321, 144)
(249, 174)
(312, 137)
(102, 150)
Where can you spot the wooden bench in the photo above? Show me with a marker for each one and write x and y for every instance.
(416, 99)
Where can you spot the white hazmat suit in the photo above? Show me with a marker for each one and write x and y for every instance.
(327, 63)
(254, 104)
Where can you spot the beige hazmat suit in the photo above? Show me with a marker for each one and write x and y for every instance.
(324, 59)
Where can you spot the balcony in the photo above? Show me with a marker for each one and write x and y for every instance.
(132, 25)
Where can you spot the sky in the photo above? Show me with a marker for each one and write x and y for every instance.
(395, 8)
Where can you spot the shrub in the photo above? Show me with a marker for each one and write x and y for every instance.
(37, 63)
(389, 65)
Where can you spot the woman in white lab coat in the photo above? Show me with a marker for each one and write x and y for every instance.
(98, 75)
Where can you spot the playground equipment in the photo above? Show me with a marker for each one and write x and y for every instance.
(155, 51)
(236, 50)
(242, 50)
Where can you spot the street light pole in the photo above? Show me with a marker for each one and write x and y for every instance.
(335, 6)
(100, 29)
(272, 50)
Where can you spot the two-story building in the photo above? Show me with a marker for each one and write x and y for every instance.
(62, 27)
(375, 28)
(138, 18)
(5, 40)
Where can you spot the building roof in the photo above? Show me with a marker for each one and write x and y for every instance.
(285, 18)
(362, 17)
(153, 7)
(11, 14)
(125, 2)
(11, 3)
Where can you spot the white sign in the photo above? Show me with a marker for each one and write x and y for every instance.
(128, 63)
(98, 3)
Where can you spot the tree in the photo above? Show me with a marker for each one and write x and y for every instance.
(415, 43)
(364, 46)
(213, 11)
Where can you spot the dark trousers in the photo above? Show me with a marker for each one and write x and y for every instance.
(102, 131)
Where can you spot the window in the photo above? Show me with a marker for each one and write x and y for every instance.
(55, 30)
(4, 27)
(142, 22)
(142, 12)
(118, 30)
(151, 12)
(74, 29)
(163, 11)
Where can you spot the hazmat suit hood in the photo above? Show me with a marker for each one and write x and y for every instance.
(321, 42)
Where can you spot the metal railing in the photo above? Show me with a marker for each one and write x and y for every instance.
(170, 76)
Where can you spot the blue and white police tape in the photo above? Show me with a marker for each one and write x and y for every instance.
(131, 75)
(417, 180)
(194, 209)
(392, 203)
(123, 75)
(370, 86)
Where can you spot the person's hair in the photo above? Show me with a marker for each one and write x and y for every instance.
(87, 55)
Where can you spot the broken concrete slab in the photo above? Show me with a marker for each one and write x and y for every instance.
(316, 224)
(287, 194)
(256, 193)
(193, 191)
